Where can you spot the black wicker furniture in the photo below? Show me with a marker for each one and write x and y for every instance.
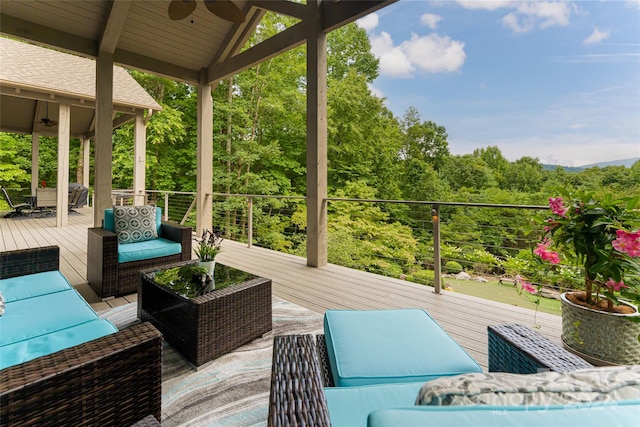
(213, 323)
(300, 372)
(110, 278)
(115, 380)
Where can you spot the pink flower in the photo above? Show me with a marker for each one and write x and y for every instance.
(555, 203)
(616, 286)
(526, 286)
(543, 252)
(627, 242)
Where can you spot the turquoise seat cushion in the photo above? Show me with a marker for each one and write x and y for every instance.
(110, 224)
(32, 317)
(29, 349)
(597, 414)
(149, 249)
(390, 346)
(33, 285)
(350, 406)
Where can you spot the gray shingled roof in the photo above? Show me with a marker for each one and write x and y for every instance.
(60, 73)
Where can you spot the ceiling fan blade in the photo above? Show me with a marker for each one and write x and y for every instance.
(180, 9)
(225, 9)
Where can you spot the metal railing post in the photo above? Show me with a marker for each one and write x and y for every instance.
(166, 206)
(437, 273)
(250, 221)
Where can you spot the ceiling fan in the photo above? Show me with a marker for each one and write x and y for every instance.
(46, 121)
(225, 9)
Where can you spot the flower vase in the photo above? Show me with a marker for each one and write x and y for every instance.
(209, 265)
(599, 337)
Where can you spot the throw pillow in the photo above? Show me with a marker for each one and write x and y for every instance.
(544, 388)
(135, 223)
(1, 304)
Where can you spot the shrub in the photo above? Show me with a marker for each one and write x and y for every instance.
(452, 267)
(424, 277)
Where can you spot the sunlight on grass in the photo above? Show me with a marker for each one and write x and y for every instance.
(507, 294)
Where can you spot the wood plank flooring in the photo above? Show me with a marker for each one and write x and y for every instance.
(465, 318)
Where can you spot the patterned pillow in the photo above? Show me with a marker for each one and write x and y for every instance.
(544, 388)
(135, 223)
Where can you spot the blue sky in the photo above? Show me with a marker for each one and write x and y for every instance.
(555, 80)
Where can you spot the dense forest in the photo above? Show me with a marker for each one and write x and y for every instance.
(259, 148)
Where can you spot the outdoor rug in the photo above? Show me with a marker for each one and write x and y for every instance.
(233, 390)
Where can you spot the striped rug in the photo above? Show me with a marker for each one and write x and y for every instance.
(233, 390)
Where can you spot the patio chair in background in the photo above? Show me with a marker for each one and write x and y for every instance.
(17, 208)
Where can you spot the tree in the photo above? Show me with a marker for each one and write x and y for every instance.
(425, 141)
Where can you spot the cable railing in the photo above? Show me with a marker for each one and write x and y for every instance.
(418, 241)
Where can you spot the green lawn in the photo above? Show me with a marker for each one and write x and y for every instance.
(507, 294)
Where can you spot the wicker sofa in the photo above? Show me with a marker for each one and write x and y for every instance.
(114, 380)
(108, 276)
(302, 379)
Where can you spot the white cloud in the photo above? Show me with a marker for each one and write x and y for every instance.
(431, 53)
(430, 20)
(369, 22)
(526, 16)
(596, 37)
(485, 5)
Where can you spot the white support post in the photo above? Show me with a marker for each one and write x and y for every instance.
(140, 162)
(35, 162)
(102, 177)
(62, 187)
(316, 139)
(86, 162)
(204, 186)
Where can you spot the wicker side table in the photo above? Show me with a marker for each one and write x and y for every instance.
(210, 325)
(520, 350)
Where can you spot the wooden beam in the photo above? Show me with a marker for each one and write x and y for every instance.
(103, 154)
(336, 14)
(44, 35)
(288, 39)
(289, 8)
(146, 63)
(113, 26)
(204, 156)
(139, 160)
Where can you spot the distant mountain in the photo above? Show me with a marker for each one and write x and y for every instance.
(624, 162)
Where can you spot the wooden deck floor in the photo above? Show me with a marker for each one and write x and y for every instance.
(465, 318)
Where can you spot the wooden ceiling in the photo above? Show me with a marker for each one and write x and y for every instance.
(202, 48)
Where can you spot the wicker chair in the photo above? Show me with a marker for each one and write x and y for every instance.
(115, 380)
(109, 278)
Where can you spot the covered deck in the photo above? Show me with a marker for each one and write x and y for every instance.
(465, 318)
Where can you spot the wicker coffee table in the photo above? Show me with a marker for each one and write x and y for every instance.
(209, 325)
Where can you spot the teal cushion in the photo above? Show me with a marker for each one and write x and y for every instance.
(150, 249)
(350, 406)
(110, 224)
(23, 351)
(621, 413)
(390, 346)
(32, 317)
(33, 285)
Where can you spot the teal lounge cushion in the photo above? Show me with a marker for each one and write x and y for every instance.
(109, 222)
(390, 346)
(149, 249)
(29, 349)
(32, 317)
(600, 414)
(350, 406)
(33, 285)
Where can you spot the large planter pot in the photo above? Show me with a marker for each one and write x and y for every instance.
(599, 337)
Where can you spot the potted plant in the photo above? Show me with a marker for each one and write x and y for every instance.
(601, 236)
(208, 246)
